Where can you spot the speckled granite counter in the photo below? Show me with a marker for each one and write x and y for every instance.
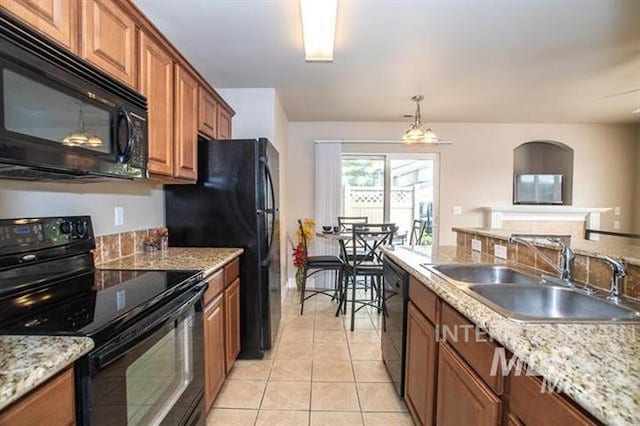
(28, 361)
(204, 259)
(598, 365)
(628, 252)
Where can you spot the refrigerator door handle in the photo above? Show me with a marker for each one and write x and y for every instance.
(270, 210)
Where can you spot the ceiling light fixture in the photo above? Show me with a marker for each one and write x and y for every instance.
(319, 29)
(416, 133)
(637, 111)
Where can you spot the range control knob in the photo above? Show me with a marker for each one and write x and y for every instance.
(80, 229)
(65, 227)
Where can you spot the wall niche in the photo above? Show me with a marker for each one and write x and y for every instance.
(537, 162)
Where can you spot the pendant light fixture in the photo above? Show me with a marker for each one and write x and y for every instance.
(81, 137)
(416, 133)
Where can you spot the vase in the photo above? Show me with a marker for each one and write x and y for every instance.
(299, 278)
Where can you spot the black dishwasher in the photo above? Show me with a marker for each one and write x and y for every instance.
(394, 322)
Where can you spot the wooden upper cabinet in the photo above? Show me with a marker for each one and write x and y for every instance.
(232, 322)
(463, 399)
(156, 83)
(207, 114)
(186, 124)
(224, 124)
(108, 38)
(57, 19)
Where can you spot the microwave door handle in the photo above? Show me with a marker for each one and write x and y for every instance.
(124, 114)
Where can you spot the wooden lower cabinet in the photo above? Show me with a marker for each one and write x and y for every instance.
(463, 399)
(52, 404)
(422, 352)
(214, 351)
(232, 322)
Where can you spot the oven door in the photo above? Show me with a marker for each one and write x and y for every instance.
(157, 381)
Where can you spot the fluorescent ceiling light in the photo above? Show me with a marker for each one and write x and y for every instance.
(319, 29)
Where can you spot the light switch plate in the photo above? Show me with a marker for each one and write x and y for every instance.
(616, 211)
(476, 245)
(457, 210)
(500, 251)
(118, 216)
(616, 224)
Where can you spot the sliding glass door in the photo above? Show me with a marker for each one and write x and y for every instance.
(392, 188)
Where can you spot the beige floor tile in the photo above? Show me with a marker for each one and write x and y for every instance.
(379, 397)
(386, 419)
(370, 371)
(251, 370)
(363, 336)
(328, 396)
(329, 336)
(362, 324)
(330, 352)
(297, 335)
(231, 417)
(295, 350)
(325, 310)
(287, 396)
(282, 418)
(300, 323)
(336, 418)
(240, 394)
(291, 370)
(365, 351)
(329, 323)
(332, 371)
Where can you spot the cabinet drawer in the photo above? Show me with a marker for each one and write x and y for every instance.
(216, 285)
(533, 406)
(473, 347)
(50, 404)
(424, 299)
(231, 271)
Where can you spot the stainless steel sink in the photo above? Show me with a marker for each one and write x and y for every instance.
(543, 303)
(485, 274)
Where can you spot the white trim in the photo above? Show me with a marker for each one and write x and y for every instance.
(384, 141)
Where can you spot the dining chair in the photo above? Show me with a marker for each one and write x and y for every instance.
(345, 223)
(314, 264)
(368, 267)
(417, 231)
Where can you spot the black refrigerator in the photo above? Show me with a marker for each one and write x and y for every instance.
(235, 204)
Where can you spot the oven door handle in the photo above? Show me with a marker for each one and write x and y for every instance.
(114, 351)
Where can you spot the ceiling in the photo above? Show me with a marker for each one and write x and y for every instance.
(474, 60)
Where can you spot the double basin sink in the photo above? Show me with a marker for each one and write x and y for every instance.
(528, 298)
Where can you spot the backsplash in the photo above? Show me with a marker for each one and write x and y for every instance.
(588, 269)
(114, 246)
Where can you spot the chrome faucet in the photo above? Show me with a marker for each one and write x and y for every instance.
(564, 269)
(618, 273)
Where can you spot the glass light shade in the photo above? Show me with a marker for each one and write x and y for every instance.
(75, 139)
(94, 141)
(417, 135)
(319, 29)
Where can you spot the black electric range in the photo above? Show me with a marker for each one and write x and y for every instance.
(142, 322)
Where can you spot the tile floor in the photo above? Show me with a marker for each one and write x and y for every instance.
(318, 373)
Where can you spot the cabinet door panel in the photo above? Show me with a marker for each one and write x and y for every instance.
(224, 124)
(186, 124)
(207, 114)
(108, 39)
(232, 322)
(463, 399)
(57, 19)
(421, 366)
(156, 83)
(214, 356)
(51, 404)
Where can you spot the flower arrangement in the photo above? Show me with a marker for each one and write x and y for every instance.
(308, 227)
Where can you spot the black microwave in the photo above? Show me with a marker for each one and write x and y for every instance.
(61, 117)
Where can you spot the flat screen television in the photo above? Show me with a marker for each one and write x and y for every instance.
(538, 189)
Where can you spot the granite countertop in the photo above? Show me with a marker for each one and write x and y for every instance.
(628, 252)
(598, 365)
(206, 259)
(26, 362)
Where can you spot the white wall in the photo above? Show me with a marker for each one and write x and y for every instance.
(259, 113)
(636, 225)
(476, 171)
(143, 203)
